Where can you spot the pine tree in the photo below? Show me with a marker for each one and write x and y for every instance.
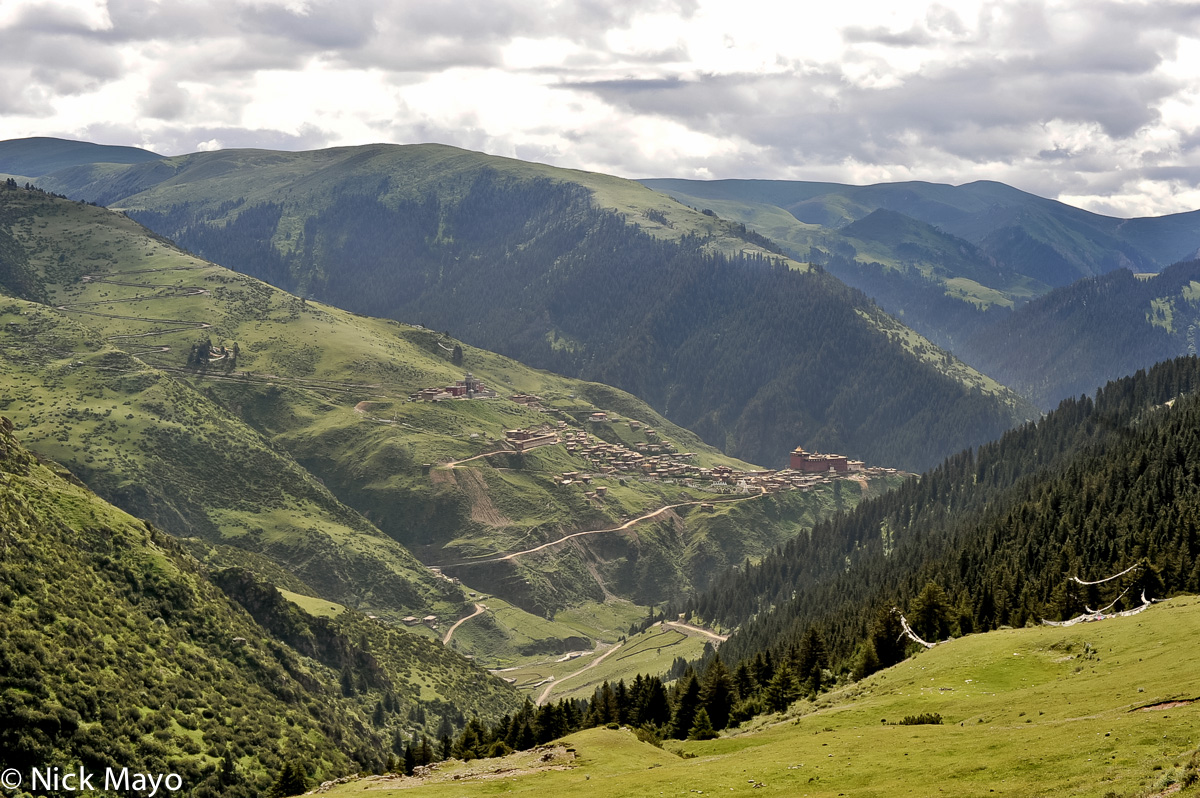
(687, 703)
(887, 637)
(811, 660)
(931, 613)
(656, 708)
(781, 691)
(702, 727)
(716, 694)
(291, 781)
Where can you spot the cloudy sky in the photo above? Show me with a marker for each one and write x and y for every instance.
(1094, 103)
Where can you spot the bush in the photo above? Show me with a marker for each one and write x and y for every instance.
(648, 734)
(924, 718)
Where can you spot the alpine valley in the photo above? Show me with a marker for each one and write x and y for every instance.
(406, 467)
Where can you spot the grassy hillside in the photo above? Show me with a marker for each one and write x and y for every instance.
(293, 443)
(117, 650)
(1100, 710)
(584, 274)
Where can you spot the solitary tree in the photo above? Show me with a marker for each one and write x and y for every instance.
(702, 728)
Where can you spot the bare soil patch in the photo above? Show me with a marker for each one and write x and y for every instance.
(1167, 705)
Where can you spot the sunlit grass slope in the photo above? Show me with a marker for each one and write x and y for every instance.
(304, 447)
(1079, 711)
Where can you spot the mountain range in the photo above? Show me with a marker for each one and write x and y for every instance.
(286, 454)
(957, 262)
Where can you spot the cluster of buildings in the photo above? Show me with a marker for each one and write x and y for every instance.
(429, 620)
(466, 388)
(659, 462)
(525, 439)
(809, 463)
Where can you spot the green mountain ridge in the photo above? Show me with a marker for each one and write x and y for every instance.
(585, 274)
(955, 262)
(1000, 219)
(1075, 338)
(299, 454)
(34, 157)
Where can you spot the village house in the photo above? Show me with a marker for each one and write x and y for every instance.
(525, 439)
(466, 388)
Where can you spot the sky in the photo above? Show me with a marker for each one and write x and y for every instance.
(1093, 103)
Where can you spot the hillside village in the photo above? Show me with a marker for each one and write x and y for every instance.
(632, 448)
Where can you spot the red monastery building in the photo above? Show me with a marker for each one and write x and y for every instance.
(817, 463)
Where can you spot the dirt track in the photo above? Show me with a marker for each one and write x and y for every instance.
(621, 528)
(479, 609)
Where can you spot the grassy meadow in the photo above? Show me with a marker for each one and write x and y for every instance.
(1100, 709)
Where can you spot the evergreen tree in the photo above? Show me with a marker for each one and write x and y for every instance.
(743, 682)
(717, 693)
(347, 682)
(687, 703)
(655, 710)
(291, 781)
(702, 727)
(931, 613)
(811, 660)
(425, 756)
(887, 637)
(781, 691)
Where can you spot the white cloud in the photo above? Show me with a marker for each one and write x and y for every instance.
(1094, 102)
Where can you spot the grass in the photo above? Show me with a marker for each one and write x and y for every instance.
(309, 452)
(313, 606)
(650, 652)
(507, 636)
(1027, 712)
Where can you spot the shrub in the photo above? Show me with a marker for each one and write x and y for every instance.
(924, 718)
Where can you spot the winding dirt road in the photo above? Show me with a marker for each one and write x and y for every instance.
(687, 627)
(168, 292)
(541, 699)
(479, 609)
(621, 528)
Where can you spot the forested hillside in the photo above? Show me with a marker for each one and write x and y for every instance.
(117, 650)
(1038, 295)
(279, 435)
(584, 274)
(1098, 486)
(1080, 336)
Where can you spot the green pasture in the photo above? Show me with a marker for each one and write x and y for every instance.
(1040, 711)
